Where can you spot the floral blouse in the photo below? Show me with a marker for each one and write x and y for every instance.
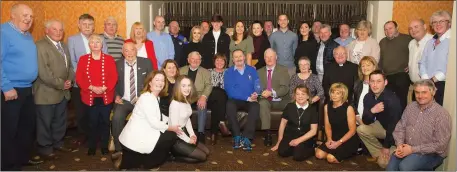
(217, 78)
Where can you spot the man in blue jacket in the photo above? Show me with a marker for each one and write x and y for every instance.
(239, 83)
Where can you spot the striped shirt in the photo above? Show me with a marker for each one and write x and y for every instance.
(114, 46)
(427, 131)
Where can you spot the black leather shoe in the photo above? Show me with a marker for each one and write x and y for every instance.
(201, 137)
(105, 151)
(268, 140)
(91, 151)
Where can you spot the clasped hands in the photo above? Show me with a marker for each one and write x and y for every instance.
(403, 150)
(332, 144)
(97, 90)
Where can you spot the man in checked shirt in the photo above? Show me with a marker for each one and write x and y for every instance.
(423, 133)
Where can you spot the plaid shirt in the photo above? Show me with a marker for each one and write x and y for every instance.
(427, 131)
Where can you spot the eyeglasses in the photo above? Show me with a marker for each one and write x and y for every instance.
(439, 22)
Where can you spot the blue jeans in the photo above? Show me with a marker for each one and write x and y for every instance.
(201, 119)
(414, 162)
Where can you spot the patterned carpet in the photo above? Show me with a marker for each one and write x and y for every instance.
(222, 158)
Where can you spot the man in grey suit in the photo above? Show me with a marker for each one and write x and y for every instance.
(78, 46)
(274, 79)
(52, 90)
(132, 72)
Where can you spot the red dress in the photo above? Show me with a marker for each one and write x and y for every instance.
(149, 45)
(98, 73)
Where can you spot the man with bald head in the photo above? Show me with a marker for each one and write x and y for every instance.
(113, 41)
(18, 71)
(340, 70)
(132, 72)
(179, 41)
(418, 30)
(274, 80)
(163, 44)
(52, 90)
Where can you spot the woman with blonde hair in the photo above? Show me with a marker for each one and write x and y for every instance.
(186, 148)
(340, 127)
(364, 45)
(367, 65)
(193, 45)
(145, 47)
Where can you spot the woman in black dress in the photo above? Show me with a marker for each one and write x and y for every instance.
(307, 46)
(170, 68)
(340, 127)
(193, 45)
(298, 127)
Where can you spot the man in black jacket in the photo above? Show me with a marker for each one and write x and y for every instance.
(325, 50)
(215, 41)
(381, 112)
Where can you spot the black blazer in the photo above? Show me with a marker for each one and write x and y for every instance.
(328, 51)
(209, 44)
(144, 67)
(358, 88)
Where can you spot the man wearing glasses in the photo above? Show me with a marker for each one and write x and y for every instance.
(433, 64)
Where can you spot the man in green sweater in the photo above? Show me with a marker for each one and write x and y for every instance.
(394, 60)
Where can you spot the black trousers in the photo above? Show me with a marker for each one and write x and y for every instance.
(300, 152)
(99, 123)
(399, 83)
(51, 126)
(160, 154)
(82, 117)
(18, 129)
(439, 95)
(253, 109)
(217, 102)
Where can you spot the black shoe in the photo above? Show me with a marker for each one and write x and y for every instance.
(201, 137)
(33, 162)
(91, 151)
(105, 151)
(268, 140)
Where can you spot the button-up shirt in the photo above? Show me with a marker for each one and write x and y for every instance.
(284, 43)
(345, 42)
(273, 92)
(127, 69)
(163, 46)
(415, 54)
(434, 58)
(216, 38)
(86, 44)
(320, 61)
(57, 47)
(426, 130)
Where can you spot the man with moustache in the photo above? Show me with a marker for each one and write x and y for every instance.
(78, 45)
(163, 44)
(52, 90)
(132, 72)
(18, 71)
(284, 42)
(113, 41)
(418, 30)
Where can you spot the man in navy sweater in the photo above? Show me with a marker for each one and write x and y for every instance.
(239, 83)
(19, 69)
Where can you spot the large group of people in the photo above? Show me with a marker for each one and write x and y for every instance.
(159, 79)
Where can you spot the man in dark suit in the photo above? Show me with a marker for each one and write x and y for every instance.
(52, 90)
(215, 41)
(274, 79)
(132, 72)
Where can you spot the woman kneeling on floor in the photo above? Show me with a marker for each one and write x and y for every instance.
(147, 139)
(298, 127)
(186, 148)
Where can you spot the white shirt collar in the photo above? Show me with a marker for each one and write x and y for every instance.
(128, 64)
(235, 68)
(54, 42)
(446, 35)
(192, 68)
(303, 107)
(424, 39)
(272, 68)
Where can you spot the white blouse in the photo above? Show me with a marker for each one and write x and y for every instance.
(365, 90)
(142, 52)
(145, 125)
(179, 114)
(357, 52)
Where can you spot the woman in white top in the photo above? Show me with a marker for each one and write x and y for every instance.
(364, 45)
(147, 138)
(361, 88)
(186, 147)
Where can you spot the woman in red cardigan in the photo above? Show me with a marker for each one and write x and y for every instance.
(145, 47)
(96, 75)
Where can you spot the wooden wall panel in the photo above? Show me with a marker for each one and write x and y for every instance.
(68, 12)
(405, 11)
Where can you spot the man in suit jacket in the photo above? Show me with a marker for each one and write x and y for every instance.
(202, 80)
(52, 90)
(215, 41)
(274, 80)
(132, 72)
(78, 46)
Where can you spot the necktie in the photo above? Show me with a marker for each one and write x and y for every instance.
(269, 83)
(60, 49)
(132, 84)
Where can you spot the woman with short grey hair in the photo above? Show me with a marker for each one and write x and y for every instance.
(364, 45)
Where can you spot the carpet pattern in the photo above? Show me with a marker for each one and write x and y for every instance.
(222, 158)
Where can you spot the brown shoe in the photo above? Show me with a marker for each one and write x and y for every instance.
(224, 130)
(213, 139)
(64, 149)
(117, 163)
(116, 155)
(372, 159)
